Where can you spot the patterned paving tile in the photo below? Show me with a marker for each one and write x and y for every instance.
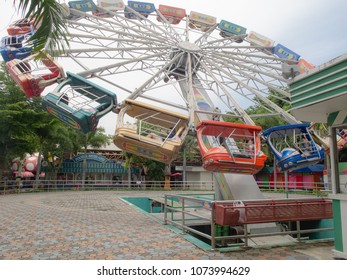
(99, 225)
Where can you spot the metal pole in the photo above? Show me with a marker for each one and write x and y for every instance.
(286, 182)
(275, 175)
(184, 177)
(335, 178)
(298, 229)
(129, 177)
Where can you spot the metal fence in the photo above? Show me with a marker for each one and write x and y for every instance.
(21, 186)
(18, 186)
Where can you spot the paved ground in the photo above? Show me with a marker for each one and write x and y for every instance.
(99, 225)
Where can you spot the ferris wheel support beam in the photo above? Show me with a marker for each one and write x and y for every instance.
(239, 109)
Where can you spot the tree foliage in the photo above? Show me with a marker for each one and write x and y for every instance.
(48, 17)
(26, 127)
(18, 115)
(155, 169)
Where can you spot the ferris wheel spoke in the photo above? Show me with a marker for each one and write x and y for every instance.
(143, 27)
(152, 81)
(103, 41)
(106, 51)
(253, 68)
(240, 111)
(98, 76)
(266, 64)
(222, 42)
(90, 28)
(260, 96)
(254, 75)
(204, 36)
(168, 27)
(106, 69)
(234, 81)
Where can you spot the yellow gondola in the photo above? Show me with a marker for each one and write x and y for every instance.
(153, 132)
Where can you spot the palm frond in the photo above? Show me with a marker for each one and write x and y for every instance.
(47, 15)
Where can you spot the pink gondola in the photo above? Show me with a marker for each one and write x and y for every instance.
(32, 75)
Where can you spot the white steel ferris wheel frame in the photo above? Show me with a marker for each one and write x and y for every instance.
(140, 58)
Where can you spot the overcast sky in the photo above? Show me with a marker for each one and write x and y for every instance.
(314, 29)
(317, 30)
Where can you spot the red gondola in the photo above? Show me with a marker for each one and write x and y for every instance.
(172, 14)
(235, 147)
(20, 27)
(32, 75)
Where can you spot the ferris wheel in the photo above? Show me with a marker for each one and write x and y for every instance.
(163, 54)
(166, 66)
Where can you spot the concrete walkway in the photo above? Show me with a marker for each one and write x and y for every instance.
(99, 225)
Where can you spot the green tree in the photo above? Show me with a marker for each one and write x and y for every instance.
(155, 169)
(26, 127)
(95, 139)
(190, 150)
(17, 117)
(57, 141)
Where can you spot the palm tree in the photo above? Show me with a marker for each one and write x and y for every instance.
(95, 139)
(47, 14)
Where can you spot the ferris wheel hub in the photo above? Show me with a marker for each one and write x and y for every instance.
(188, 46)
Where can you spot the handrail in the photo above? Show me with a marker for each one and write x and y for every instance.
(189, 205)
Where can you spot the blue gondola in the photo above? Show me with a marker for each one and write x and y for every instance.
(12, 41)
(229, 29)
(293, 146)
(285, 53)
(143, 8)
(83, 5)
(16, 46)
(9, 53)
(79, 102)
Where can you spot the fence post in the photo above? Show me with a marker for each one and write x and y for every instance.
(165, 210)
(298, 230)
(213, 229)
(183, 215)
(246, 234)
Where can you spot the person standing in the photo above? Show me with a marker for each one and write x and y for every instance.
(216, 117)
